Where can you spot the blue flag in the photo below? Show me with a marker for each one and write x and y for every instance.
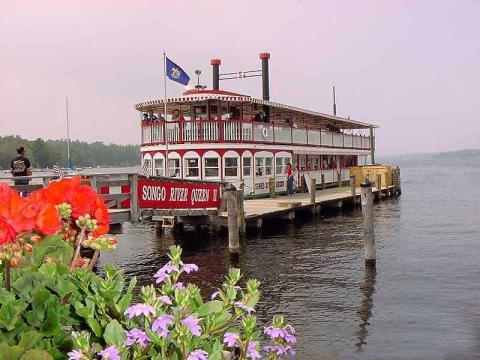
(176, 73)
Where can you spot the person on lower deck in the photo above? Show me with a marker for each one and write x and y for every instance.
(290, 180)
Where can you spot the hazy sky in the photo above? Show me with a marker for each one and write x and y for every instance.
(412, 67)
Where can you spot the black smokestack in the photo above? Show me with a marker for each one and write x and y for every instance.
(265, 82)
(216, 75)
(265, 85)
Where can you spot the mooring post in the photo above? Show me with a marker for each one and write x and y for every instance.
(353, 189)
(242, 225)
(369, 235)
(271, 187)
(379, 187)
(339, 178)
(46, 181)
(323, 181)
(313, 190)
(133, 198)
(231, 200)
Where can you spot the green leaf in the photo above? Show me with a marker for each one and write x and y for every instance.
(10, 352)
(30, 339)
(214, 306)
(40, 299)
(126, 300)
(36, 355)
(95, 326)
(114, 334)
(6, 296)
(9, 315)
(51, 325)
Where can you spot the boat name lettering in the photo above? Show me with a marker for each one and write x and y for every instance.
(154, 193)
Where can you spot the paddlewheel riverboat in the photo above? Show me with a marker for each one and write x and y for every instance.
(219, 135)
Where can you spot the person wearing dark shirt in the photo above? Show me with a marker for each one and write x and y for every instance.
(20, 166)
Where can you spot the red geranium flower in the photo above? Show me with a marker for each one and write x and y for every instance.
(7, 232)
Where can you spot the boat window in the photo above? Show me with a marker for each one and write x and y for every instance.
(214, 112)
(247, 166)
(158, 167)
(211, 167)
(174, 167)
(281, 165)
(269, 166)
(200, 112)
(191, 167)
(259, 162)
(231, 166)
(148, 164)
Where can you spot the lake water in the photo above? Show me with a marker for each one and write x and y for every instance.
(423, 301)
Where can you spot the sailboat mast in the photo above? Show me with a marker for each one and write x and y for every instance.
(68, 135)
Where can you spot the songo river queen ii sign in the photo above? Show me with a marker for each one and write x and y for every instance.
(177, 195)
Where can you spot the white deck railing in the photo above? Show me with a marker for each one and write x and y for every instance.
(207, 131)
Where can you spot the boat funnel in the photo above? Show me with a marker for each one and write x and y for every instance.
(265, 83)
(215, 71)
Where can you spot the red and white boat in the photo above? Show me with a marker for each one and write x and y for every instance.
(218, 135)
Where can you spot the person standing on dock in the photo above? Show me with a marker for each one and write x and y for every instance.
(20, 166)
(290, 179)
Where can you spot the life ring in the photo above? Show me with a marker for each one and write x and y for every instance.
(265, 132)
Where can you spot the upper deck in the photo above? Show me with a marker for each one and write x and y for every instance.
(215, 116)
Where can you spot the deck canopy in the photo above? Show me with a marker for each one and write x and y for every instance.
(215, 104)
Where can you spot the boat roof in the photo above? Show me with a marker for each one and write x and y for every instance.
(281, 110)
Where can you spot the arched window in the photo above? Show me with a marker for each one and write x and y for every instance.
(147, 161)
(158, 164)
(191, 164)
(174, 165)
(211, 165)
(231, 161)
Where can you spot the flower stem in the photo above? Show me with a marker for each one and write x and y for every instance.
(77, 250)
(7, 276)
(94, 259)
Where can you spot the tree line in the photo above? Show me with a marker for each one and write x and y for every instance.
(43, 154)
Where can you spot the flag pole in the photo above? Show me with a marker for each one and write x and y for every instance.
(165, 110)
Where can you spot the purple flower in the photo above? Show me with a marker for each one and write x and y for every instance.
(279, 350)
(179, 285)
(136, 336)
(165, 299)
(75, 355)
(165, 272)
(290, 328)
(289, 338)
(110, 353)
(198, 355)
(188, 267)
(274, 332)
(244, 307)
(139, 309)
(215, 294)
(230, 339)
(192, 324)
(161, 324)
(252, 352)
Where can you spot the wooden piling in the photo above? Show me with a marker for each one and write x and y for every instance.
(271, 187)
(369, 235)
(313, 189)
(242, 225)
(379, 183)
(231, 200)
(339, 178)
(353, 189)
(134, 213)
(323, 181)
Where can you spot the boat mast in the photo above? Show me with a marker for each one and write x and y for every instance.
(165, 110)
(334, 103)
(68, 135)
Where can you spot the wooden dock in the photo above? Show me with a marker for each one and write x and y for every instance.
(286, 207)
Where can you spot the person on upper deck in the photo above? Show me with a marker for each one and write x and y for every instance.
(20, 166)
(145, 117)
(177, 116)
(151, 116)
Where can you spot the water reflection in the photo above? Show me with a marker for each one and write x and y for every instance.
(364, 310)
